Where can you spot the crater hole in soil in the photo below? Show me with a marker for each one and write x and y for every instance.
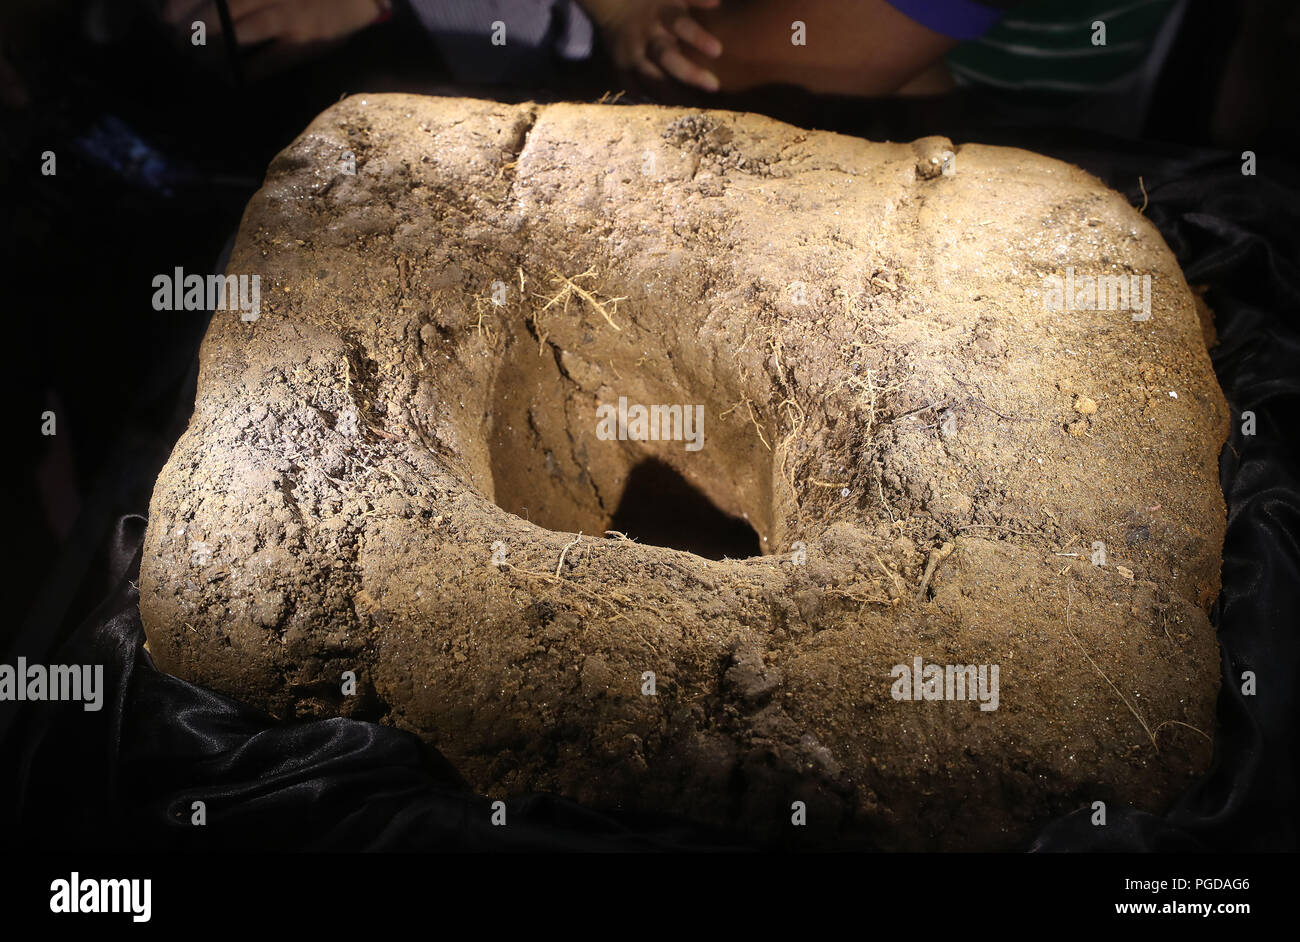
(661, 507)
(550, 462)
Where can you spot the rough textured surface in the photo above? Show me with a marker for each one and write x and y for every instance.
(362, 483)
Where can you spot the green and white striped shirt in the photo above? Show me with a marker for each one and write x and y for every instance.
(1056, 46)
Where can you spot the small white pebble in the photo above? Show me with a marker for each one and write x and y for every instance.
(1172, 394)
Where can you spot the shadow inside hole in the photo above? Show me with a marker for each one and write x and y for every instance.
(662, 508)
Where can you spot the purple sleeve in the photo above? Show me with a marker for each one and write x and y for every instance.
(958, 19)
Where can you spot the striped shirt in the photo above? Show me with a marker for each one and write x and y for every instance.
(1053, 46)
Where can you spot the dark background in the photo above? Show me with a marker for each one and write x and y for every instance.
(159, 147)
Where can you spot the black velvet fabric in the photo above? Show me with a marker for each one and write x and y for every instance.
(125, 778)
(1237, 234)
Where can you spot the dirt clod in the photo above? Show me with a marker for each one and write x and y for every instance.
(388, 471)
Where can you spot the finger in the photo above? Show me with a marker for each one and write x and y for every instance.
(242, 8)
(650, 70)
(699, 37)
(627, 51)
(658, 36)
(657, 40)
(684, 70)
(267, 23)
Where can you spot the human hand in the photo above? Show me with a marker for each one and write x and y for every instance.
(646, 35)
(296, 22)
